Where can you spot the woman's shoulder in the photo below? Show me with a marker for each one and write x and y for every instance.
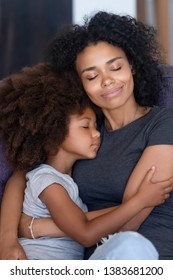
(162, 112)
(160, 126)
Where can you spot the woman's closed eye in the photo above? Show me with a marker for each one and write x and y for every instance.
(113, 68)
(116, 68)
(92, 78)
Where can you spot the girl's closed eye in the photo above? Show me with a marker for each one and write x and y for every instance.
(85, 126)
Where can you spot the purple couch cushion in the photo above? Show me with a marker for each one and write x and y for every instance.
(5, 171)
(166, 92)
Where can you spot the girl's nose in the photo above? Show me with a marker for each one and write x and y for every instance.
(96, 133)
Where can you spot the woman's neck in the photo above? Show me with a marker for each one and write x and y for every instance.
(120, 117)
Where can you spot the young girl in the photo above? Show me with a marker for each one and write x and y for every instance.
(47, 124)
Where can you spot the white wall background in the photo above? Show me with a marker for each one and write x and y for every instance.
(89, 7)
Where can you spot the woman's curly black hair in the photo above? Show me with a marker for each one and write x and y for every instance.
(136, 39)
(35, 107)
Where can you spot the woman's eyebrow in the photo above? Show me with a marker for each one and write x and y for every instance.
(113, 59)
(88, 69)
(91, 68)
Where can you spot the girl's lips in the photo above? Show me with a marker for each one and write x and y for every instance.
(96, 145)
(112, 92)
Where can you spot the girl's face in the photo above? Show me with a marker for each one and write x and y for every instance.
(106, 75)
(83, 139)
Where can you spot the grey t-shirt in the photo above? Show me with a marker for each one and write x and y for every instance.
(63, 248)
(102, 180)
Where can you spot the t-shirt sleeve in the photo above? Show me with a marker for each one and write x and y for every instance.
(40, 182)
(160, 131)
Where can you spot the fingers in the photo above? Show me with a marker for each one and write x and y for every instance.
(150, 173)
(165, 197)
(168, 182)
(168, 189)
(22, 257)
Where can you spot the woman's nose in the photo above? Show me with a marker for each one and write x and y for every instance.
(107, 81)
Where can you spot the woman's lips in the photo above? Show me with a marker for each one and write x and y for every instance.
(112, 92)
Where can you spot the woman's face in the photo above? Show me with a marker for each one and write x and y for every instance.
(106, 75)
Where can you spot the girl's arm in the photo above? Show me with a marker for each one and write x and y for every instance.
(10, 215)
(47, 227)
(73, 221)
(162, 157)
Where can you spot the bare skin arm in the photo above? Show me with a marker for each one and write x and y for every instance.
(42, 227)
(73, 221)
(10, 215)
(162, 157)
(47, 227)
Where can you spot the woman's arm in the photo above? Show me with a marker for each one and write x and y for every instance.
(160, 156)
(10, 215)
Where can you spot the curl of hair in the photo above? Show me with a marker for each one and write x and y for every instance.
(136, 39)
(35, 108)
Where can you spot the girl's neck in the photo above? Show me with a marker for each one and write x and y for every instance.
(61, 163)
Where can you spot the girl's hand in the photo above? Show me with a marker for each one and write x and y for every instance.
(153, 194)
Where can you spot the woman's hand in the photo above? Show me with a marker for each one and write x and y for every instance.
(11, 208)
(40, 227)
(11, 249)
(23, 230)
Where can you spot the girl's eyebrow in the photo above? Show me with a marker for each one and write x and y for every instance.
(107, 62)
(86, 118)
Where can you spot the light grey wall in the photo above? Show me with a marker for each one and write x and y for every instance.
(89, 7)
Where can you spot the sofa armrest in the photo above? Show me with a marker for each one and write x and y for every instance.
(5, 171)
(166, 92)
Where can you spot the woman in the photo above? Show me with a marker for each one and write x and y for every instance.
(117, 60)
